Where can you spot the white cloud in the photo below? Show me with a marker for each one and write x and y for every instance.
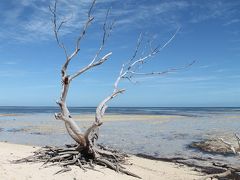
(209, 10)
(31, 20)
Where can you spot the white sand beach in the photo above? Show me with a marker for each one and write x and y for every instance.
(147, 169)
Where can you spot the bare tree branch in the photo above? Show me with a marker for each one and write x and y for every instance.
(153, 51)
(56, 27)
(83, 32)
(128, 71)
(139, 41)
(131, 69)
(96, 60)
(160, 48)
(71, 126)
(163, 72)
(91, 65)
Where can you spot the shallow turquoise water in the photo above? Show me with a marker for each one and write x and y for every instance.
(153, 137)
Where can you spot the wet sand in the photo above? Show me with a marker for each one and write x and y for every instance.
(30, 123)
(124, 117)
(6, 115)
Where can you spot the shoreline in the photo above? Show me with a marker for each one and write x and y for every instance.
(145, 168)
(107, 116)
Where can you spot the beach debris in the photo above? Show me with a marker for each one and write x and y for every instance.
(219, 145)
(14, 130)
(213, 146)
(223, 147)
(235, 150)
(37, 133)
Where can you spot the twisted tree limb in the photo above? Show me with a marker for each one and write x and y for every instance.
(71, 126)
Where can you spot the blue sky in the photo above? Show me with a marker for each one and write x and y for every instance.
(30, 59)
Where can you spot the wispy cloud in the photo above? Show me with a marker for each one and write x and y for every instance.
(208, 10)
(43, 86)
(173, 80)
(12, 73)
(31, 20)
(232, 21)
(19, 72)
(221, 70)
(160, 12)
(195, 79)
(9, 63)
(204, 66)
(175, 13)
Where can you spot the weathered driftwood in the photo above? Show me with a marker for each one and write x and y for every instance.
(235, 150)
(218, 146)
(212, 146)
(223, 147)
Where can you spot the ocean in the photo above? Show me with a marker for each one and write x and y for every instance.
(165, 131)
(181, 111)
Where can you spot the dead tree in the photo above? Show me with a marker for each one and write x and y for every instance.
(86, 151)
(71, 126)
(129, 71)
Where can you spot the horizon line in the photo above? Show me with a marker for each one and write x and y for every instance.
(126, 106)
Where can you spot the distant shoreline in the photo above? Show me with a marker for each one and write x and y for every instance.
(168, 111)
(24, 106)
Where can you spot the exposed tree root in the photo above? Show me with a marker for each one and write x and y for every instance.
(70, 155)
